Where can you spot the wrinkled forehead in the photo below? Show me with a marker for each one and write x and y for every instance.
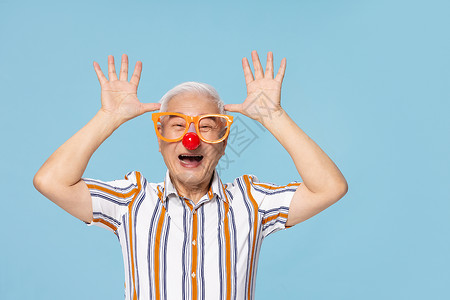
(193, 104)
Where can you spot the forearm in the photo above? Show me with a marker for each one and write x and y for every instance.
(317, 170)
(66, 165)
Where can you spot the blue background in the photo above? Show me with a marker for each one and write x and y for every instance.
(366, 80)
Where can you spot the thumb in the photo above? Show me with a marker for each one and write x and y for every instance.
(233, 107)
(147, 107)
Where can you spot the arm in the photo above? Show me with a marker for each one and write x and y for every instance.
(59, 178)
(323, 183)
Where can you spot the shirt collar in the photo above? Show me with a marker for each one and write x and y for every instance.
(216, 188)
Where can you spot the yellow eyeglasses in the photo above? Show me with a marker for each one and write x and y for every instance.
(210, 128)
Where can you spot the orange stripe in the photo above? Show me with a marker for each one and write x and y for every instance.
(111, 192)
(159, 193)
(156, 251)
(227, 250)
(194, 256)
(188, 203)
(226, 197)
(268, 219)
(274, 187)
(130, 229)
(106, 223)
(255, 227)
(194, 250)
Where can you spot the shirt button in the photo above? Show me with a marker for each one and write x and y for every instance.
(193, 242)
(194, 212)
(193, 274)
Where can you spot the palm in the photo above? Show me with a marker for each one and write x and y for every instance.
(263, 90)
(263, 96)
(119, 96)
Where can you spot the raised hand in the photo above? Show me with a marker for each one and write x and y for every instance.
(263, 90)
(119, 96)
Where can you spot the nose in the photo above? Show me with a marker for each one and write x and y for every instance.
(191, 128)
(191, 140)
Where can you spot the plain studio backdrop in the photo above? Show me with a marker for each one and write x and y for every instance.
(367, 80)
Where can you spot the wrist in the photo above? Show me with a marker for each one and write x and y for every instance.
(109, 121)
(271, 117)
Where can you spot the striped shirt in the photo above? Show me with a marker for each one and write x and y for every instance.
(175, 249)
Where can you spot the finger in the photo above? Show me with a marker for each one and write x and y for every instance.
(123, 76)
(136, 74)
(111, 68)
(101, 77)
(147, 107)
(257, 65)
(247, 71)
(269, 66)
(281, 70)
(233, 107)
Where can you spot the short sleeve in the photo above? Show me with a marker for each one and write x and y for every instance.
(110, 200)
(273, 203)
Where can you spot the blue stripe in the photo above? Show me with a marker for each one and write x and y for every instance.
(255, 261)
(128, 256)
(220, 188)
(276, 209)
(164, 257)
(111, 187)
(273, 192)
(273, 222)
(219, 239)
(202, 266)
(109, 198)
(183, 258)
(166, 206)
(234, 256)
(106, 218)
(135, 209)
(230, 196)
(247, 205)
(221, 195)
(151, 241)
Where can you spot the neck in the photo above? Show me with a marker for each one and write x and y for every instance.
(193, 192)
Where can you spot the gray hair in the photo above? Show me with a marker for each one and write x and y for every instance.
(196, 88)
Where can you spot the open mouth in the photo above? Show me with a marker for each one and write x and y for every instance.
(188, 158)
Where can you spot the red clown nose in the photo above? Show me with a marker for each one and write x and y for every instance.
(191, 141)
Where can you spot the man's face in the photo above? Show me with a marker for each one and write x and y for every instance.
(185, 171)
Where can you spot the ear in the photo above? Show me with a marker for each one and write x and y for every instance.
(159, 140)
(225, 142)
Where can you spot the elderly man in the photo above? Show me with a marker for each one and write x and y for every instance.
(191, 236)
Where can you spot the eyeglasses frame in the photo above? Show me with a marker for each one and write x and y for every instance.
(190, 119)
